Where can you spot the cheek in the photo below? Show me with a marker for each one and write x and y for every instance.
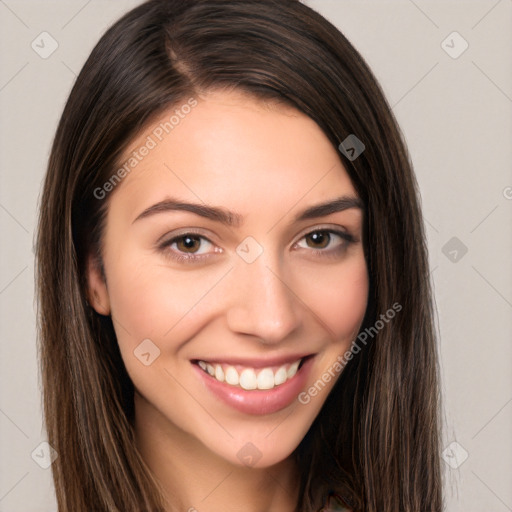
(136, 297)
(150, 300)
(339, 298)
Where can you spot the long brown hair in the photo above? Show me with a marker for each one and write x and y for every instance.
(375, 443)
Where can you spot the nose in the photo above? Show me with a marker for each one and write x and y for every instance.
(262, 303)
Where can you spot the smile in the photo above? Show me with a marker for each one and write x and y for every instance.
(251, 378)
(255, 386)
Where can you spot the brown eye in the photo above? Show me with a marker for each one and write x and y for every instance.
(188, 244)
(319, 239)
(188, 248)
(326, 241)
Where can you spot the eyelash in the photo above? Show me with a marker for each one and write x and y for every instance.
(323, 253)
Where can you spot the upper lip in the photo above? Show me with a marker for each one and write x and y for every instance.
(254, 362)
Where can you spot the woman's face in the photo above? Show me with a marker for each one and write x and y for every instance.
(219, 258)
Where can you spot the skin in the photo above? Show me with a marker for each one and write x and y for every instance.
(267, 162)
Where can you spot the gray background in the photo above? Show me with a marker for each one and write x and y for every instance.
(456, 117)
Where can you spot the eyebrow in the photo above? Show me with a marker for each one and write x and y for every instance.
(234, 219)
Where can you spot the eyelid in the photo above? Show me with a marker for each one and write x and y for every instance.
(200, 232)
(327, 227)
(169, 236)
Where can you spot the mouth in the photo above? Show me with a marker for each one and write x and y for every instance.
(251, 378)
(254, 386)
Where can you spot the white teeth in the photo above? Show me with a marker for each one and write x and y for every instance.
(266, 379)
(293, 369)
(219, 373)
(232, 376)
(280, 376)
(247, 378)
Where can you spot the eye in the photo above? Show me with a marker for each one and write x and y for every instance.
(191, 247)
(326, 241)
(188, 247)
(190, 243)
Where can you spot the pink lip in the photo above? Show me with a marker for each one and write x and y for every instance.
(258, 402)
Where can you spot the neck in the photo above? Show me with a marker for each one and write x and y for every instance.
(195, 479)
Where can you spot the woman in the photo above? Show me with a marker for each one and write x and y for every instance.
(235, 309)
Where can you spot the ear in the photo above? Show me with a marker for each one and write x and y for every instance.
(97, 293)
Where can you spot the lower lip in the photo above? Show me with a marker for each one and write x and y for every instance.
(258, 401)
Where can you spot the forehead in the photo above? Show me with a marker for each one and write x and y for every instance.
(231, 149)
